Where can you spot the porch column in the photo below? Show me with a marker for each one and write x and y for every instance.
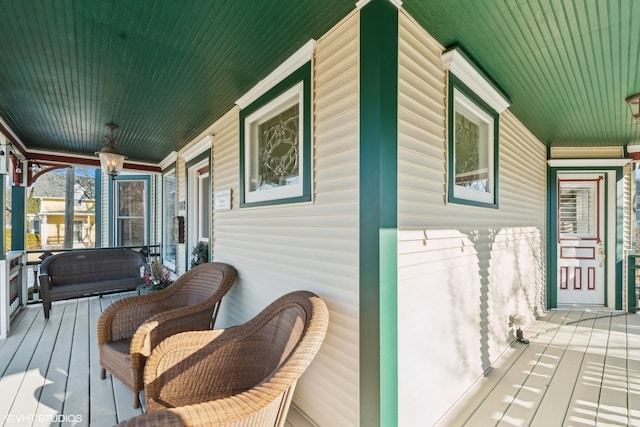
(3, 219)
(4, 275)
(18, 218)
(378, 213)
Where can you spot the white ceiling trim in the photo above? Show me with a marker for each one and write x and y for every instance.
(557, 163)
(295, 61)
(455, 62)
(362, 3)
(198, 148)
(169, 160)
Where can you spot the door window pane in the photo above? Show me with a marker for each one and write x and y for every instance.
(203, 207)
(577, 211)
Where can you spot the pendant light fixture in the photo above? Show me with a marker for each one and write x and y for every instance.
(111, 159)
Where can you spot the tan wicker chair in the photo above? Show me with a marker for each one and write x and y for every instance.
(131, 327)
(241, 376)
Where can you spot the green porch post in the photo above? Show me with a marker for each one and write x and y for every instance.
(378, 213)
(98, 208)
(18, 218)
(3, 219)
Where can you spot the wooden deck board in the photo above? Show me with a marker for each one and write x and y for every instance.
(34, 380)
(633, 369)
(583, 409)
(56, 348)
(102, 410)
(18, 368)
(76, 397)
(612, 408)
(556, 400)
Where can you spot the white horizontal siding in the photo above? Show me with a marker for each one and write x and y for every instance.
(461, 269)
(311, 246)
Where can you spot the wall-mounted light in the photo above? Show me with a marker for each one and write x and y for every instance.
(111, 159)
(4, 157)
(634, 104)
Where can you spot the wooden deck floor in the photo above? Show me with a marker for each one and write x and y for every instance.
(50, 370)
(581, 368)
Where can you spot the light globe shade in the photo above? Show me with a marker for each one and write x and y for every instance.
(634, 105)
(111, 160)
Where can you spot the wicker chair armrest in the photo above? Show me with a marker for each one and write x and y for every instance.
(165, 324)
(123, 317)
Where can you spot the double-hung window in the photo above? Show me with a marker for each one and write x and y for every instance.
(131, 211)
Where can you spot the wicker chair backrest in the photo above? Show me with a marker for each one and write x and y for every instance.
(199, 284)
(270, 340)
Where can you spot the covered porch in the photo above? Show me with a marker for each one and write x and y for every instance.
(429, 169)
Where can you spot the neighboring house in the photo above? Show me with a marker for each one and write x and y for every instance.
(49, 222)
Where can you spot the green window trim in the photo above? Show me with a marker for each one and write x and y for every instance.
(112, 206)
(193, 202)
(168, 218)
(303, 194)
(456, 88)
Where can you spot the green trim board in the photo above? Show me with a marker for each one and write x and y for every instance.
(632, 303)
(205, 155)
(552, 235)
(453, 85)
(378, 192)
(172, 170)
(112, 207)
(3, 220)
(18, 217)
(301, 75)
(98, 187)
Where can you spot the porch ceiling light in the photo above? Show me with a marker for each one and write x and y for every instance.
(111, 159)
(634, 105)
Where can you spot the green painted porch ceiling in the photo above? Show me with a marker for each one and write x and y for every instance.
(165, 70)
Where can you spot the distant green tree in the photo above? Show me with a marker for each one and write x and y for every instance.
(33, 204)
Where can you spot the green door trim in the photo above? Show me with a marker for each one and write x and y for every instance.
(552, 235)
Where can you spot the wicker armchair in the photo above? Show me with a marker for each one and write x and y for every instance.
(241, 376)
(130, 328)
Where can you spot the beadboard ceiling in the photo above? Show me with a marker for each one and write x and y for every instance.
(165, 70)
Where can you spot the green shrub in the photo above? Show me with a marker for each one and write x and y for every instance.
(33, 241)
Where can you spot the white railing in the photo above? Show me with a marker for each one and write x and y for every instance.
(13, 290)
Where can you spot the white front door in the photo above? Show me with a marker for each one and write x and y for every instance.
(581, 238)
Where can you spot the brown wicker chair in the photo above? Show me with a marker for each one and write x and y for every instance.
(241, 376)
(130, 328)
